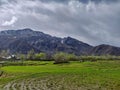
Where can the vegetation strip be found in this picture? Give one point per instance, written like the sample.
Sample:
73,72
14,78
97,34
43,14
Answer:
98,75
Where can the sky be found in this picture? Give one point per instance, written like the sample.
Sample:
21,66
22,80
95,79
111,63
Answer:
92,21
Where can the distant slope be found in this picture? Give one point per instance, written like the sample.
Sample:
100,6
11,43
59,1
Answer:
105,50
24,40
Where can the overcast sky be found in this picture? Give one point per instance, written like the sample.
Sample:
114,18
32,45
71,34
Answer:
92,21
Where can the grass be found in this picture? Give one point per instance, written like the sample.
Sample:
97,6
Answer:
99,75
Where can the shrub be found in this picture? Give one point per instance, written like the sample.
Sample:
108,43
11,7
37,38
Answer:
60,58
31,55
96,58
40,56
88,58
72,57
22,58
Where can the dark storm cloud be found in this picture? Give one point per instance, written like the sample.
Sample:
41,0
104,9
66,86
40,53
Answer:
91,21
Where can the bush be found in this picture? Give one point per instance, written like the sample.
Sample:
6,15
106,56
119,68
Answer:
88,58
72,57
97,58
60,58
40,56
22,58
31,55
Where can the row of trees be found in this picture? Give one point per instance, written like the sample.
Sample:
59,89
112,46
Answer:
59,57
31,55
65,58
38,56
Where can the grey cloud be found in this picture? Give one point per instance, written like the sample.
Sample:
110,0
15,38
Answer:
85,20
83,1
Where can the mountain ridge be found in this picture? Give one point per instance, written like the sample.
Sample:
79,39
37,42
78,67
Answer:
23,40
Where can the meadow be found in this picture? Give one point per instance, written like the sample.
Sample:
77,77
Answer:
44,75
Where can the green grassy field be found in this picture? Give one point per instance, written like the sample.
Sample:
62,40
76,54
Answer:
99,75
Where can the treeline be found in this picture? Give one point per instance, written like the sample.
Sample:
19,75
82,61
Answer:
61,57
58,57
65,58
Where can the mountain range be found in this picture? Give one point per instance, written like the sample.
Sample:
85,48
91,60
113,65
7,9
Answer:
24,40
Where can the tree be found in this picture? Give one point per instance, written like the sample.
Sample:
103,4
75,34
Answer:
4,53
40,56
31,55
60,58
71,57
22,58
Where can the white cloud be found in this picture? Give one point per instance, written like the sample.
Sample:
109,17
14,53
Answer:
11,22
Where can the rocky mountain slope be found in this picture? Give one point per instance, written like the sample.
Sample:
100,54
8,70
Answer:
24,40
105,50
